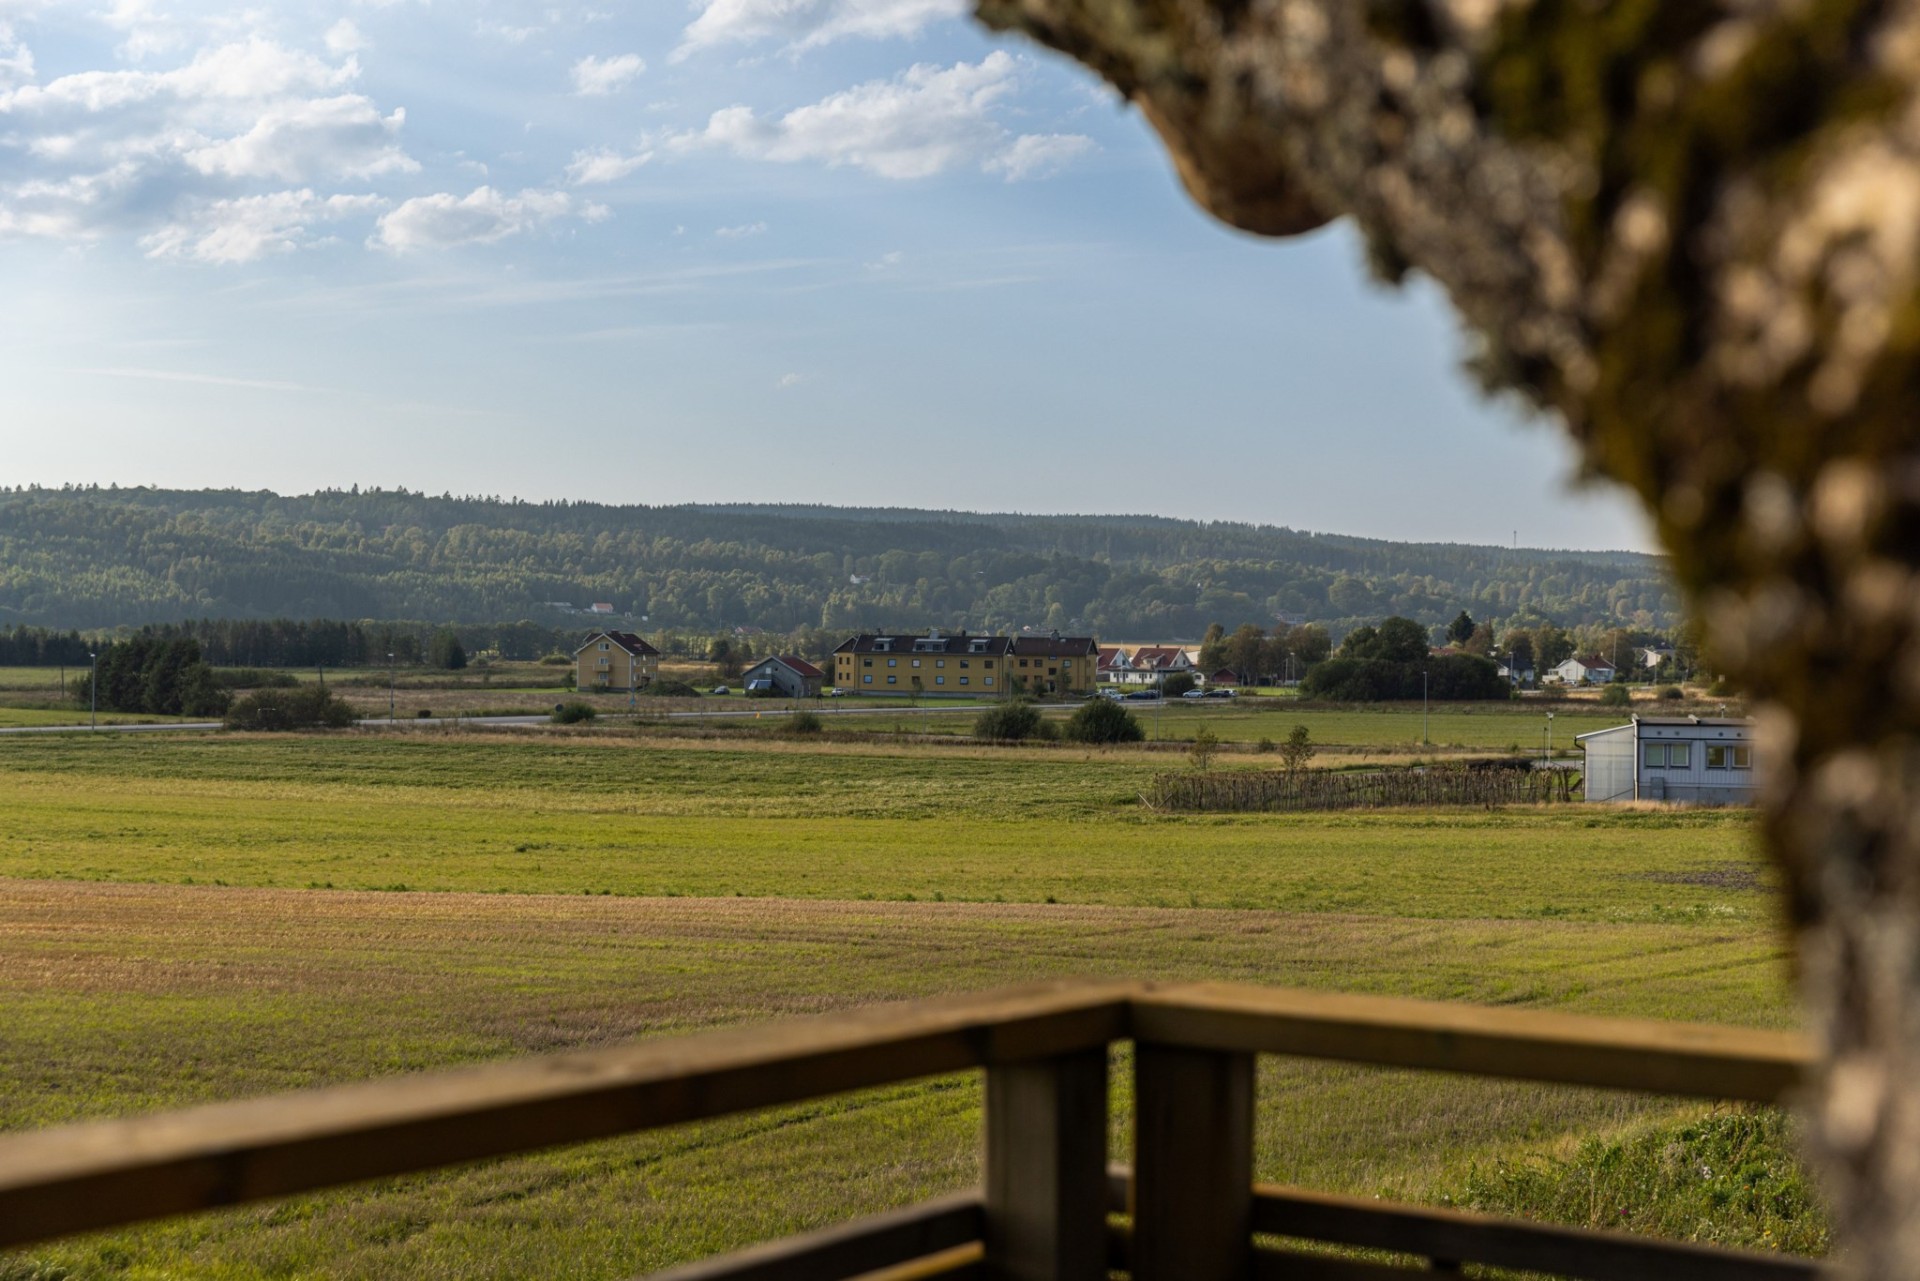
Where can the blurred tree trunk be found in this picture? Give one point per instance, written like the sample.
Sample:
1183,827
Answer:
1689,232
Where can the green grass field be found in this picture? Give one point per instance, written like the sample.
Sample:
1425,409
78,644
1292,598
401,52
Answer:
160,944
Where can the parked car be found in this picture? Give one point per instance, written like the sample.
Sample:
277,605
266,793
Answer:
1111,693
1144,696
1195,693
834,691
721,689
1223,693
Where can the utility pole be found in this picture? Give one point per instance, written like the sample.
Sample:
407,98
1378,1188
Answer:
93,691
1549,755
1425,736
389,687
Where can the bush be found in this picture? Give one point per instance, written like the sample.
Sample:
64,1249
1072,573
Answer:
1011,722
310,707
1378,680
573,713
1205,744
1672,694
1264,746
1176,685
425,713
555,660
1103,721
671,689
1298,751
804,723
1616,695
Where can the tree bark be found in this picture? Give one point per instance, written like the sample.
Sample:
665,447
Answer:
1689,231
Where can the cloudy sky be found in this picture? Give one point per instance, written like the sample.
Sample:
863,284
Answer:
848,251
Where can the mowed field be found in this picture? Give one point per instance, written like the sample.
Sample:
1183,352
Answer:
185,918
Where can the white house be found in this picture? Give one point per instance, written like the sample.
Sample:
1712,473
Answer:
1651,656
1113,666
1699,760
1588,667
1154,663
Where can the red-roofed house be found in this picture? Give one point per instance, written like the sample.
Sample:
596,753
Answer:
1112,666
786,674
614,661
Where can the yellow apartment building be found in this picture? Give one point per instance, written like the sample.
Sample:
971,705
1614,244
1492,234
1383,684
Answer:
614,662
961,664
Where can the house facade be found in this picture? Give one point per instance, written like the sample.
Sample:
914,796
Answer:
1113,666
931,664
1055,664
1154,663
786,674
1587,667
1697,760
614,661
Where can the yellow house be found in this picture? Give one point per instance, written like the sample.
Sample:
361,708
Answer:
963,664
614,662
1056,664
930,664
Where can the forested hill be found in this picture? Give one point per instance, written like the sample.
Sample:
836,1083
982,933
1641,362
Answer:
93,557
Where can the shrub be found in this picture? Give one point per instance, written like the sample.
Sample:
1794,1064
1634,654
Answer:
671,689
311,707
1011,722
1298,751
573,713
1103,721
804,723
425,713
1672,694
1205,744
1616,695
1265,745
555,660
1176,685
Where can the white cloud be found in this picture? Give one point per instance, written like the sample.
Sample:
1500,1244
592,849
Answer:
597,77
16,60
253,69
481,217
148,31
802,24
504,31
603,165
295,142
251,227
1035,155
922,122
344,37
790,380
742,231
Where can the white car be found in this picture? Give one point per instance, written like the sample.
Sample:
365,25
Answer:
1195,693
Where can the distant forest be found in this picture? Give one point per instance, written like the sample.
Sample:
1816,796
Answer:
92,558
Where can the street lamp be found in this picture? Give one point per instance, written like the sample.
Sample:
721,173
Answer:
389,687
93,691
1549,755
1425,736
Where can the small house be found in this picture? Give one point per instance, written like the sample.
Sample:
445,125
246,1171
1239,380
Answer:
1585,668
611,661
786,674
1154,663
1697,760
1112,666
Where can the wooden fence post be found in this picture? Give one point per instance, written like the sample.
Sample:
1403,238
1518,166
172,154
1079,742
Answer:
1046,1169
1192,1164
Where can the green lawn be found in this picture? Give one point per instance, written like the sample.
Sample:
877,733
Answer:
640,886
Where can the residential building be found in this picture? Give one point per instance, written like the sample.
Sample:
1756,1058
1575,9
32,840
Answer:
1651,656
1154,663
1588,667
1697,760
929,664
1055,664
1112,666
786,674
600,607
614,661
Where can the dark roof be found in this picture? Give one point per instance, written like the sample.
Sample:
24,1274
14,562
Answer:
1055,646
800,665
625,640
1592,660
868,643
1157,656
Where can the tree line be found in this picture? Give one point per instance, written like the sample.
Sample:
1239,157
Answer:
93,558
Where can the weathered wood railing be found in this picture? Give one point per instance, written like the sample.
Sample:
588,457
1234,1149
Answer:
1049,1210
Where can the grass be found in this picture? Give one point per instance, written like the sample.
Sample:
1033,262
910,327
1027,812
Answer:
13,717
654,817
598,887
126,998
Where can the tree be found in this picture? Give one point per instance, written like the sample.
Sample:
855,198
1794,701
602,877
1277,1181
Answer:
1102,720
1213,647
1616,695
1244,650
1520,651
1480,641
445,652
1201,751
1296,751
1460,630
1010,722
1175,685
1684,267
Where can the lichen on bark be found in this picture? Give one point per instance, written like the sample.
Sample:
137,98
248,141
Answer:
1690,231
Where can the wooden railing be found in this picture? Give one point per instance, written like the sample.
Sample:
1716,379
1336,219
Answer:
1049,1209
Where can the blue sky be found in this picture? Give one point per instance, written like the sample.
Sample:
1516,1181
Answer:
774,250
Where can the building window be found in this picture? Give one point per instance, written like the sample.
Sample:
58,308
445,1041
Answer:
963,680
866,662
603,647
986,680
867,679
1729,756
939,662
893,680
916,662
893,662
1665,755
1067,662
963,662
988,664
939,680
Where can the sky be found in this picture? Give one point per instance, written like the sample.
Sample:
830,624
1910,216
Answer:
831,251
